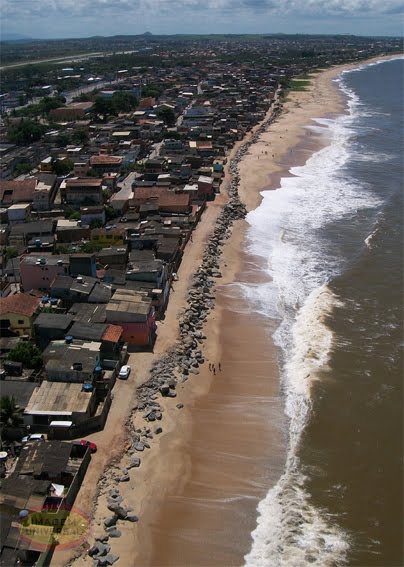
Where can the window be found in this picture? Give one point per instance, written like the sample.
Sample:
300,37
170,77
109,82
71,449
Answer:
21,321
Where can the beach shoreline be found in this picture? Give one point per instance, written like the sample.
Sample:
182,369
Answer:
167,467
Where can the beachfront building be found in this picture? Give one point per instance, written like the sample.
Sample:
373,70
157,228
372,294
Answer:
134,312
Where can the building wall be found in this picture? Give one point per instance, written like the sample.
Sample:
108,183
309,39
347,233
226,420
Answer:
41,276
41,200
139,334
20,324
80,197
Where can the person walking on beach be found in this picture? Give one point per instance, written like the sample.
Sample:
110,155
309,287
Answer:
214,370
220,367
210,367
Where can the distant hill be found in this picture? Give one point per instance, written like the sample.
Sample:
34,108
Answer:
14,37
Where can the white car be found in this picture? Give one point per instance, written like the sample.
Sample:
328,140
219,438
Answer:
124,372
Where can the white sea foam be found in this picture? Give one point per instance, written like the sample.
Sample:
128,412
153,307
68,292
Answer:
291,532
288,231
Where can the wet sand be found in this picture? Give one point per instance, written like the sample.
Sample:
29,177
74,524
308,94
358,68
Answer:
235,450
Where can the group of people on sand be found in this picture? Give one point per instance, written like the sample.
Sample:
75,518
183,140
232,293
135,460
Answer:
212,368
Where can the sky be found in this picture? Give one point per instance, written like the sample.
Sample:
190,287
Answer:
84,18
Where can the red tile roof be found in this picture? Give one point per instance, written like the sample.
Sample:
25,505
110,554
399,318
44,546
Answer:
104,159
20,303
84,182
145,193
17,191
112,333
180,199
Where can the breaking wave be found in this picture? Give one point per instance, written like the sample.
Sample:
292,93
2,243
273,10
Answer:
290,231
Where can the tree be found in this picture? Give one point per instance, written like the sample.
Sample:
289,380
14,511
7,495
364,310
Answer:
62,140
110,213
104,107
26,132
90,247
23,167
152,90
62,167
10,412
106,194
168,115
27,353
80,137
49,103
95,223
124,101
10,252
62,249
75,215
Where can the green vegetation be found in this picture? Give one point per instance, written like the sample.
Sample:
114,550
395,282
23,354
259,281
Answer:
168,115
288,85
95,223
42,108
26,132
120,101
63,139
62,249
10,412
10,252
298,85
152,90
90,247
80,136
72,214
110,213
106,194
28,354
22,168
62,167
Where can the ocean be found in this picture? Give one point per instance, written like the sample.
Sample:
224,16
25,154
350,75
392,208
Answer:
331,240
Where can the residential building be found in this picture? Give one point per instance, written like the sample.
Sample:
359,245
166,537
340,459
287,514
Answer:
17,313
39,272
134,312
81,191
83,265
50,327
71,360
104,163
59,401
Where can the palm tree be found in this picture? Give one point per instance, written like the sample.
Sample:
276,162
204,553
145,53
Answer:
10,412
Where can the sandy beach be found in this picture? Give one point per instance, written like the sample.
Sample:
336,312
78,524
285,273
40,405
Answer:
199,484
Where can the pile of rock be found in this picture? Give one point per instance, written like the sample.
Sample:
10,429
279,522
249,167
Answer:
186,357
100,551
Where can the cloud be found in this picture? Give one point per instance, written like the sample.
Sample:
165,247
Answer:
82,18
97,8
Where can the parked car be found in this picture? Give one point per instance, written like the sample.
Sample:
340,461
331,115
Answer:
124,372
87,443
33,437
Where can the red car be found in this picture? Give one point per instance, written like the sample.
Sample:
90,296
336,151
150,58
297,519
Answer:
87,443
